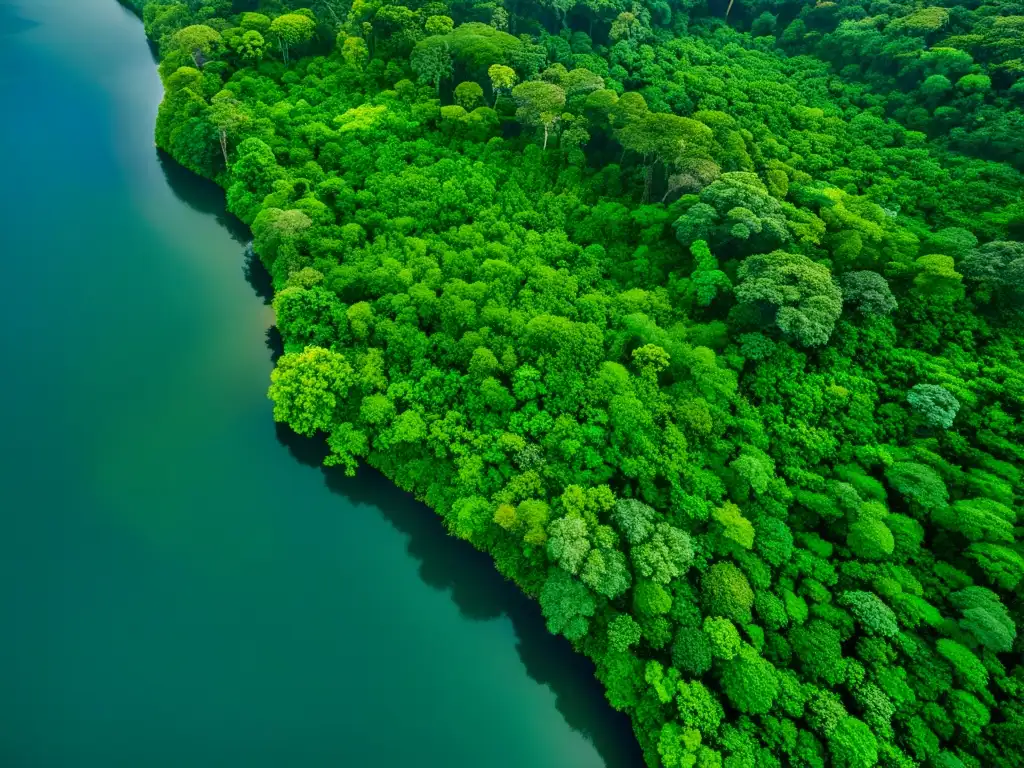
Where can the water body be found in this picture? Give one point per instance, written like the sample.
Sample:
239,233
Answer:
180,583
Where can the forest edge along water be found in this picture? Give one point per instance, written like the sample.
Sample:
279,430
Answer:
181,582
704,324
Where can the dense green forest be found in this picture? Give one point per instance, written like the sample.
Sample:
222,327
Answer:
704,318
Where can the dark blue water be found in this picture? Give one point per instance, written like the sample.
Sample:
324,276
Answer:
180,583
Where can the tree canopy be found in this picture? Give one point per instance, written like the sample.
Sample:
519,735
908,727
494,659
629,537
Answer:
703,319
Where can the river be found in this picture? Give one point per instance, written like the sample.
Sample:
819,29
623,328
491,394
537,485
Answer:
181,584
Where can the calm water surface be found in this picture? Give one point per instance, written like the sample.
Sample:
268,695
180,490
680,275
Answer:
180,583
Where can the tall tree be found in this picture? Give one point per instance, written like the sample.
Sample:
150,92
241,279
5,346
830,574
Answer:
292,29
539,104
432,61
229,115
199,40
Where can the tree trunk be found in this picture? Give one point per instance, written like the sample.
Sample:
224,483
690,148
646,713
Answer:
545,137
284,50
224,146
648,180
729,9
330,10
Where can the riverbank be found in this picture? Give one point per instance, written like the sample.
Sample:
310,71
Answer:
181,583
649,319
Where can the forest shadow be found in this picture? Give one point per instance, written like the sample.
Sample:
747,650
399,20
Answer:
257,276
453,566
202,196
205,197
445,563
275,344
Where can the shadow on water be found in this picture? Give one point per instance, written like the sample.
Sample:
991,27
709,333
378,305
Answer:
204,196
445,563
259,278
201,195
275,344
12,24
480,593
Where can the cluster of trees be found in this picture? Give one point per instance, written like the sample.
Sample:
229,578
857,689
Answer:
719,361
952,68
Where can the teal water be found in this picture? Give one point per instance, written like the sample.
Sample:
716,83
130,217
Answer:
180,583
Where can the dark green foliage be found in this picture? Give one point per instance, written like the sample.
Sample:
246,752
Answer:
936,405
919,484
871,613
566,604
716,349
691,651
867,292
817,646
805,300
985,618
998,267
870,539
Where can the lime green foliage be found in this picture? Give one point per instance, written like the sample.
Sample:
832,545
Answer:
853,745
198,41
307,388
922,21
726,592
361,118
708,330
734,527
722,636
291,29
